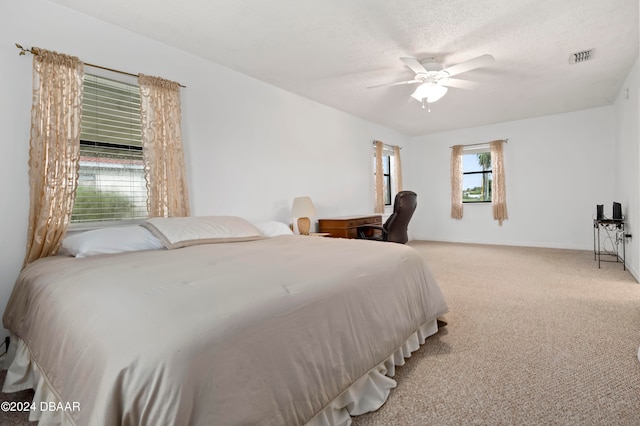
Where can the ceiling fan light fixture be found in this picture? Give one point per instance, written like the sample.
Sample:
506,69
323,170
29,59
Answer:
436,93
430,91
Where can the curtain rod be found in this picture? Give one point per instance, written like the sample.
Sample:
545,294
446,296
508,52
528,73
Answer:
34,51
483,143
374,144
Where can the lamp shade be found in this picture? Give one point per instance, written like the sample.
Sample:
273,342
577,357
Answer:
303,207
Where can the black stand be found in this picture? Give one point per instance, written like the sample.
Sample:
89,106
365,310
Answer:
608,225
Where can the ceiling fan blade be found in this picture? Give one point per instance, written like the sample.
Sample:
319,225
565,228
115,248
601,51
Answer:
478,62
415,66
458,84
397,83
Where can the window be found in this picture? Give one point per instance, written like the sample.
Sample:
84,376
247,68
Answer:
111,182
386,172
387,165
476,177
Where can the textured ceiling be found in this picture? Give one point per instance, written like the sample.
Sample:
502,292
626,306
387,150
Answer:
331,50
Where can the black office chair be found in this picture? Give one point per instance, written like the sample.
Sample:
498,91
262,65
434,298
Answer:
395,228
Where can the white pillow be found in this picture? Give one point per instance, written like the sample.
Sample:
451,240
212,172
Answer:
176,232
117,239
273,229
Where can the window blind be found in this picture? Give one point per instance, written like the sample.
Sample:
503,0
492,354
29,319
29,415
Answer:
111,181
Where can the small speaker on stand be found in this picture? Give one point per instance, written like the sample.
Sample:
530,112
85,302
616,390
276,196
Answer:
617,211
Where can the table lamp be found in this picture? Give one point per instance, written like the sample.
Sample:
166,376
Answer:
302,209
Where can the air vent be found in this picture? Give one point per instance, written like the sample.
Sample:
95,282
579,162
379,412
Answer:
585,55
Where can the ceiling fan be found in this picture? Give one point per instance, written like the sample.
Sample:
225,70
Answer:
435,80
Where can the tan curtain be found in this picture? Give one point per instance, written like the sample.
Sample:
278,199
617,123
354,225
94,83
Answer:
379,198
456,182
397,172
54,151
498,192
162,147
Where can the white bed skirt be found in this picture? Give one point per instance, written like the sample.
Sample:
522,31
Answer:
24,374
371,391
367,394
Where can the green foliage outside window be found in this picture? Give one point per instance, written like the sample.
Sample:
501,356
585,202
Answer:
477,178
95,205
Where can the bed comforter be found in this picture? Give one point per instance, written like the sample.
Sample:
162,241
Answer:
263,332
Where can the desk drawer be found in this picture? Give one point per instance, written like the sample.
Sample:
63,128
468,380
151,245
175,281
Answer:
364,221
341,232
347,227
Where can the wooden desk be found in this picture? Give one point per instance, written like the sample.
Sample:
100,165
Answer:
347,226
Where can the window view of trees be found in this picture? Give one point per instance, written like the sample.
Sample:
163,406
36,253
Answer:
477,178
96,205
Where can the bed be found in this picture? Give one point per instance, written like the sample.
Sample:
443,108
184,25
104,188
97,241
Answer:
266,329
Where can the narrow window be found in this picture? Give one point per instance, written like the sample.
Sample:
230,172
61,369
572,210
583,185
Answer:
387,167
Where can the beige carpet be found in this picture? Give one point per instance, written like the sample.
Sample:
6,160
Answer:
534,337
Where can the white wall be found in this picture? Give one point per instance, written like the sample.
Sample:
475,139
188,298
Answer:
627,177
557,169
250,147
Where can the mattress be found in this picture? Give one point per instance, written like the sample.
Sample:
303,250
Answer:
273,331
